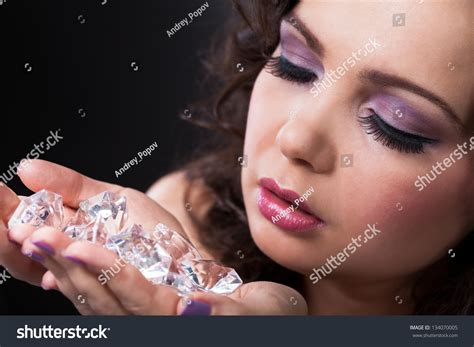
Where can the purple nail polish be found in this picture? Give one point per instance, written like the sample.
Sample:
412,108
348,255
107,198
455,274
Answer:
44,246
36,257
75,260
196,308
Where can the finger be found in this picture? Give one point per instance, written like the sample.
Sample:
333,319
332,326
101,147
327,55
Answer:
205,304
20,232
18,265
8,202
99,297
256,298
40,252
136,294
48,282
270,298
73,186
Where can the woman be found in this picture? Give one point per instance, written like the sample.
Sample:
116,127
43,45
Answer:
348,110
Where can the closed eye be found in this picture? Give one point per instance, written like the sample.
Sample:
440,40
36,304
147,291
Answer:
282,68
392,137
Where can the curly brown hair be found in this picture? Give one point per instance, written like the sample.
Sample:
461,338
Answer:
447,287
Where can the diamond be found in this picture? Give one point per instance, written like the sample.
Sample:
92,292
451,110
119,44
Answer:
181,282
175,244
43,208
189,272
98,218
163,256
144,253
209,276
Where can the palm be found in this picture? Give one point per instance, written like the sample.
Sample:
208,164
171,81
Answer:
74,188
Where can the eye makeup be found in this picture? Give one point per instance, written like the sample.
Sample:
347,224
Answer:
297,63
297,50
389,119
401,112
281,67
392,137
396,124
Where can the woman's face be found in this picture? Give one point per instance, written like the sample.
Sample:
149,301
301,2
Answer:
390,103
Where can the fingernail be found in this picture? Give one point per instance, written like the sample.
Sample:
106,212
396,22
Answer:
35,256
197,308
75,260
44,246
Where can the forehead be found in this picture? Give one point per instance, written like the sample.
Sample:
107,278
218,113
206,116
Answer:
429,43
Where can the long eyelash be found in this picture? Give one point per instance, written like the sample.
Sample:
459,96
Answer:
283,68
392,137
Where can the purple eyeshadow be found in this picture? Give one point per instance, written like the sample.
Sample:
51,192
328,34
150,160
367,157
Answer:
401,115
297,52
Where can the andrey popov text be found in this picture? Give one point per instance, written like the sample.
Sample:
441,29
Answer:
135,161
185,22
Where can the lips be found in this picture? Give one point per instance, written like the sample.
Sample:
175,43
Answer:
276,205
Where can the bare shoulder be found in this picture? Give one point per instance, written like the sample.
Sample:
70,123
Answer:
170,192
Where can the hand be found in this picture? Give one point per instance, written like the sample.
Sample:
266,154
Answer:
98,282
10,256
74,188
77,268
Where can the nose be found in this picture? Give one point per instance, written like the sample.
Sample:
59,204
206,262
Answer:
306,141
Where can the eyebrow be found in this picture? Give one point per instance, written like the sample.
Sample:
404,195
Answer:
376,77
383,80
311,40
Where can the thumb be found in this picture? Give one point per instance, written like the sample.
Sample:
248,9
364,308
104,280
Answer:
254,298
206,304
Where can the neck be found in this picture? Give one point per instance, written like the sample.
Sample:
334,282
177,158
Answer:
332,296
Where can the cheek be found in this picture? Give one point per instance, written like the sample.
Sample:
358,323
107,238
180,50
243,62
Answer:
417,228
262,120
261,129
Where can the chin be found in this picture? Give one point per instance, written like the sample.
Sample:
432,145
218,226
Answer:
282,248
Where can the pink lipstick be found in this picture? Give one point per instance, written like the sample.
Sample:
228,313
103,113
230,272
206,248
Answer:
277,205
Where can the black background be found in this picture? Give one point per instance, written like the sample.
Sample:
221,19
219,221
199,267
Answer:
89,66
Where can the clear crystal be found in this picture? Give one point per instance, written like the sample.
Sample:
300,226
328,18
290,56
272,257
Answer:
175,244
207,275
181,282
163,256
98,218
144,253
189,272
43,208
